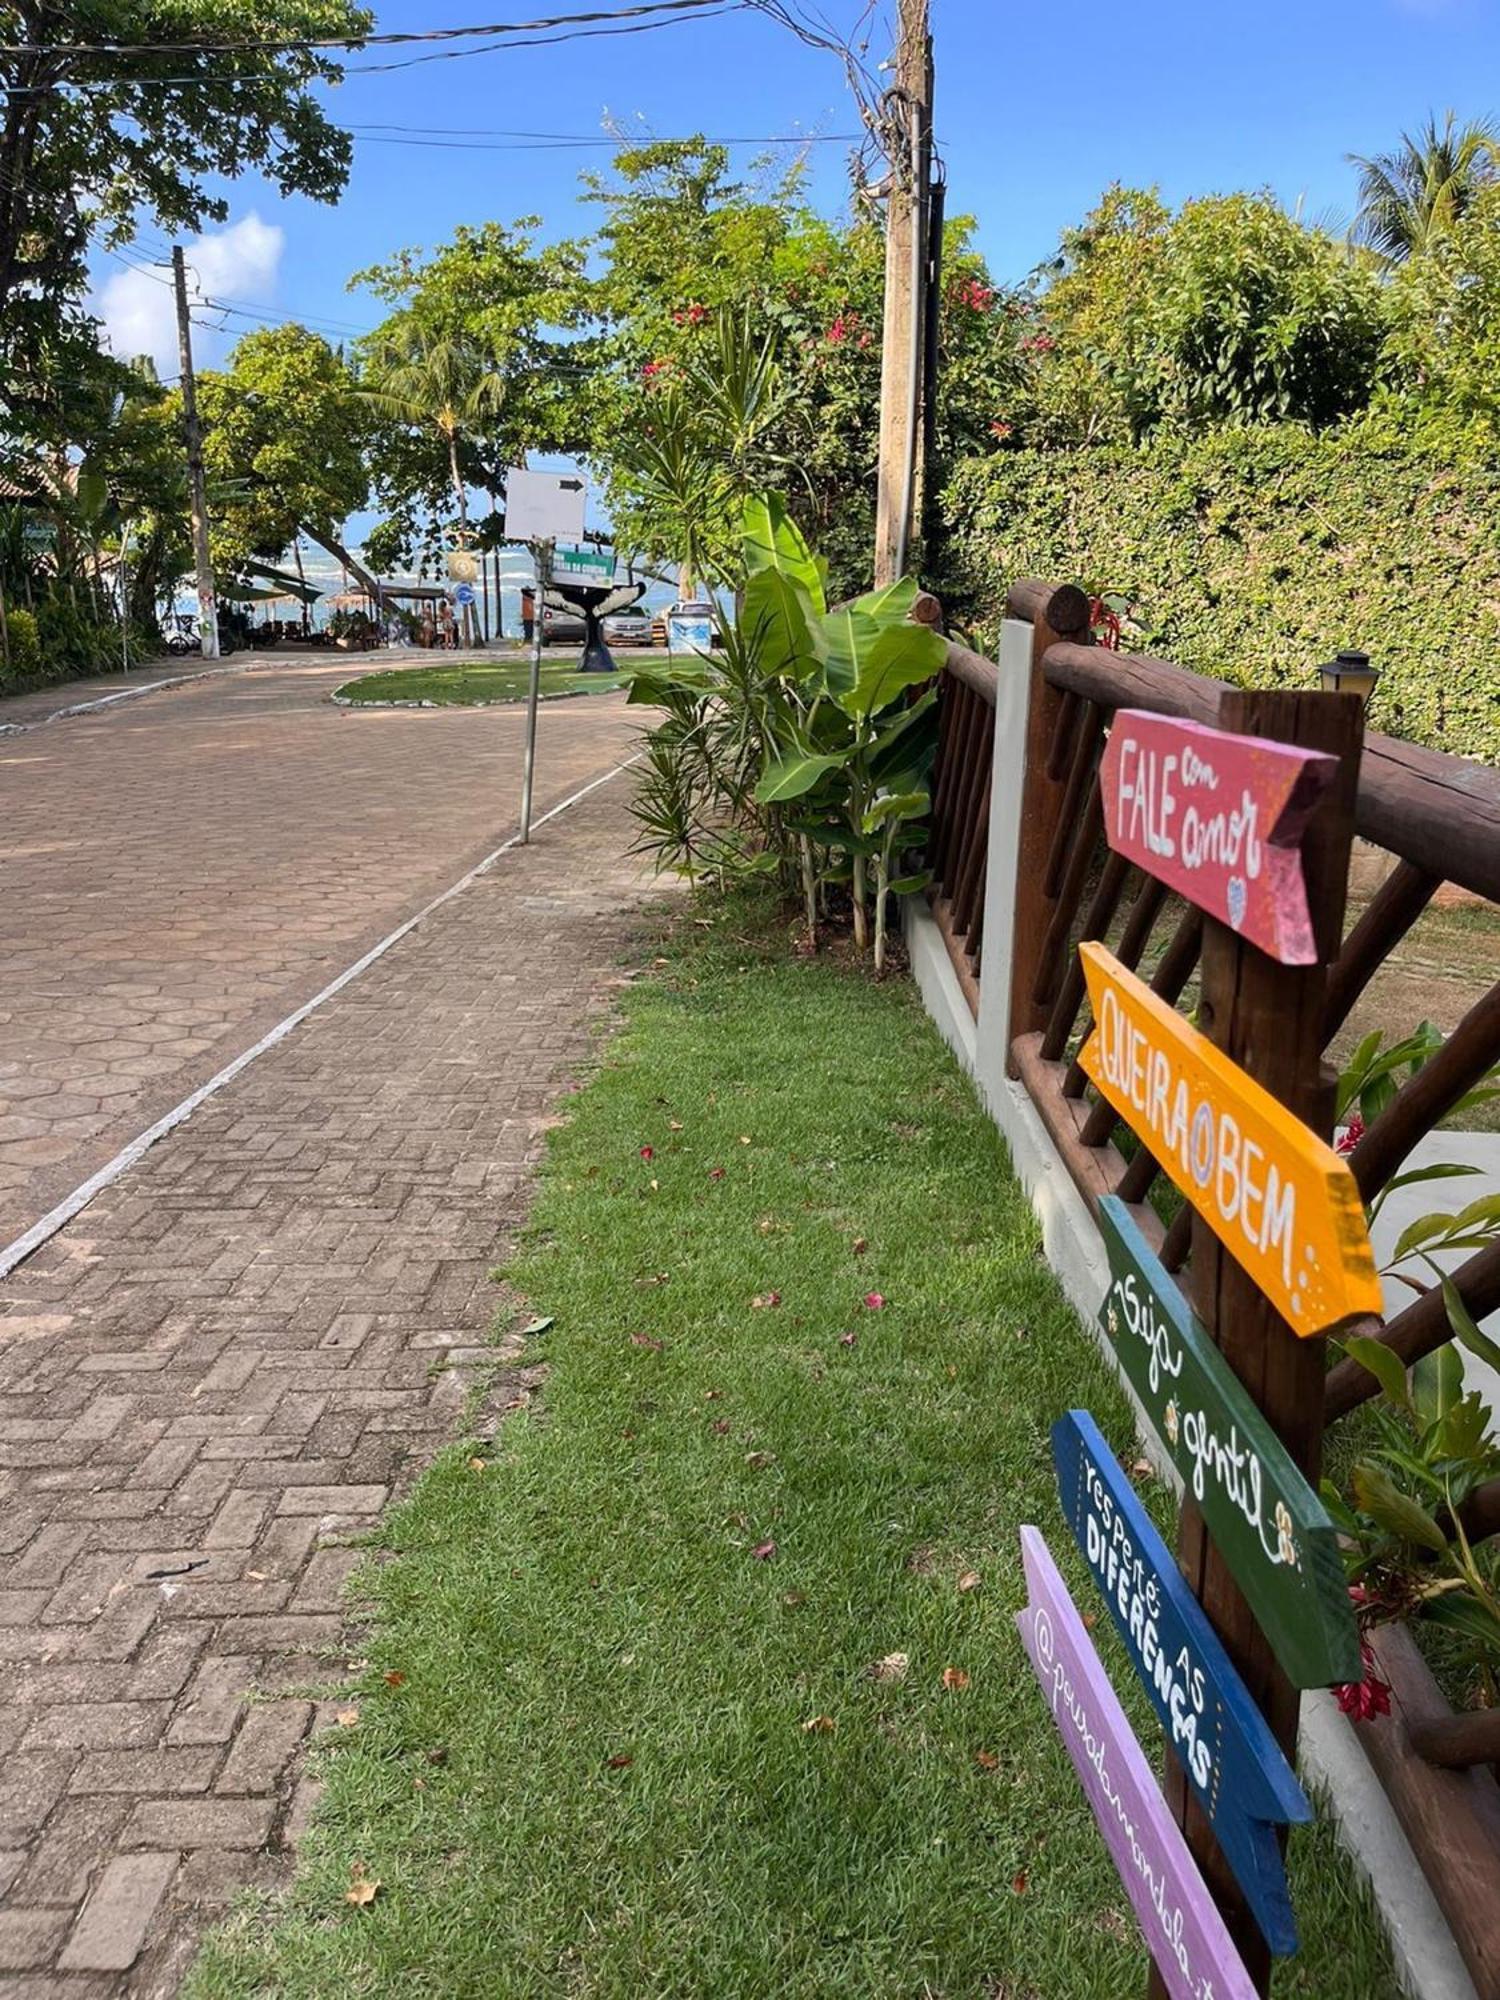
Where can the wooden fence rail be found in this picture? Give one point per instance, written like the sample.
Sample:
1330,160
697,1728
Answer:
1438,817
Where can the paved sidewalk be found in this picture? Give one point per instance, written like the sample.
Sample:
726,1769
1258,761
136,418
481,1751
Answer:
184,869
224,1368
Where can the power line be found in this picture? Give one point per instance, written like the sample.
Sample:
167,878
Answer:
701,10
536,142
263,44
290,316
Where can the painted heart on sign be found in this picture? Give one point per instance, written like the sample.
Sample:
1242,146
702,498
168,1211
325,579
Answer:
1236,895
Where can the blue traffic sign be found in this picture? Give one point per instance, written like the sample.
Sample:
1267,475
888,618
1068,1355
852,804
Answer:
464,594
1234,1765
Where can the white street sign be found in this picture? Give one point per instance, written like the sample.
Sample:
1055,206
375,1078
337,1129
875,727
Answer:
543,506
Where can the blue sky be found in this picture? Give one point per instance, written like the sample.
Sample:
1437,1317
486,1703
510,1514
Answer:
1037,110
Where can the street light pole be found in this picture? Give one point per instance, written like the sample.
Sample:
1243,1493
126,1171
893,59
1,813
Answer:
542,556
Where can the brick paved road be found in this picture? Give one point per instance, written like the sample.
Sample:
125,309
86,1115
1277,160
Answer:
181,870
227,1363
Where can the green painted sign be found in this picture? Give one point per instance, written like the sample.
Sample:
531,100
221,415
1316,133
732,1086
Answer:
1266,1520
593,564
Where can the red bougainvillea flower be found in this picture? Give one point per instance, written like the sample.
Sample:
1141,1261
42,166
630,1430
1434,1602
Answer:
690,315
1351,1135
648,1152
652,369
1038,343
838,330
1001,429
875,1301
976,296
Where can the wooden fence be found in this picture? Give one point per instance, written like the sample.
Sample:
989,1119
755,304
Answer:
1439,818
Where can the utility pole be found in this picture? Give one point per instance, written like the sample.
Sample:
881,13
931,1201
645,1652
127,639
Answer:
208,614
908,137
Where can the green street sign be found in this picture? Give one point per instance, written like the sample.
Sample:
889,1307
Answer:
1269,1525
590,563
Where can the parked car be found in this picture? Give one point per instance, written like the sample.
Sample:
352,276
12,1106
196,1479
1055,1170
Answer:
628,627
562,627
695,607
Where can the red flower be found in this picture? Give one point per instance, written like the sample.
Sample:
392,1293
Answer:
690,315
1353,1132
976,296
1363,1700
875,1301
1000,429
648,1152
838,331
1038,343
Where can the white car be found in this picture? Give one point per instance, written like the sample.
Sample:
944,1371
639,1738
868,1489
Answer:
628,627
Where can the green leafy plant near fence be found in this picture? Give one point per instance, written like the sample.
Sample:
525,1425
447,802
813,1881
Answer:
1254,553
797,749
1430,1444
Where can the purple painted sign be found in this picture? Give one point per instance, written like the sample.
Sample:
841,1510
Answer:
1218,818
1184,1932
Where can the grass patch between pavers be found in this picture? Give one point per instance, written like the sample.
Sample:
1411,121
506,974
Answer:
476,683
582,1764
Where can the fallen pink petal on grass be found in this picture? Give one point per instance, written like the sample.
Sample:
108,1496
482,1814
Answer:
763,1551
875,1301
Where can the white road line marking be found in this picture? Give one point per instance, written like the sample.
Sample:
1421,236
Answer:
72,1204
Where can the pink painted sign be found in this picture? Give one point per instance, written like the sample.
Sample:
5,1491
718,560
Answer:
1184,1932
1218,818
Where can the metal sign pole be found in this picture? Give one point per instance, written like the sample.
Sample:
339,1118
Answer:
542,554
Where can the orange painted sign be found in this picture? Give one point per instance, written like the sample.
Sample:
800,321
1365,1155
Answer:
1280,1200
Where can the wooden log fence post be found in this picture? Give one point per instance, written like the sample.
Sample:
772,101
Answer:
1269,1018
1066,617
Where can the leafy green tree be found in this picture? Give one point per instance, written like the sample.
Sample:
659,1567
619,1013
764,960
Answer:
285,437
489,332
119,111
1230,311
689,254
1412,198
1446,338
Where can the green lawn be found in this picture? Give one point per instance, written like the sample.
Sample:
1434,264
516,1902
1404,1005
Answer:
583,1764
472,683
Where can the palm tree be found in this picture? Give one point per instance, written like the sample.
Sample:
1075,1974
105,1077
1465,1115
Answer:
435,383
1410,198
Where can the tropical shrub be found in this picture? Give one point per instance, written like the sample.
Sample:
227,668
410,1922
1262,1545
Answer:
21,665
796,749
1432,1445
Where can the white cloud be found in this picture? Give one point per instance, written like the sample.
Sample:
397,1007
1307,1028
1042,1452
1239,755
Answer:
240,263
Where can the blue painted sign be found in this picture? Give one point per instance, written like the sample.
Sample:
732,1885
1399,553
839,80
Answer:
464,594
1234,1765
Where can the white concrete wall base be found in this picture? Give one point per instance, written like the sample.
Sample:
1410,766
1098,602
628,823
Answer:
1334,1767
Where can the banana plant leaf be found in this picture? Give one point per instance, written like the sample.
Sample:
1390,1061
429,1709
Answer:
794,777
900,657
777,618
773,541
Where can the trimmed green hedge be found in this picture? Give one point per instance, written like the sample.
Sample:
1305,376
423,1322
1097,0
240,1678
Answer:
1253,554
